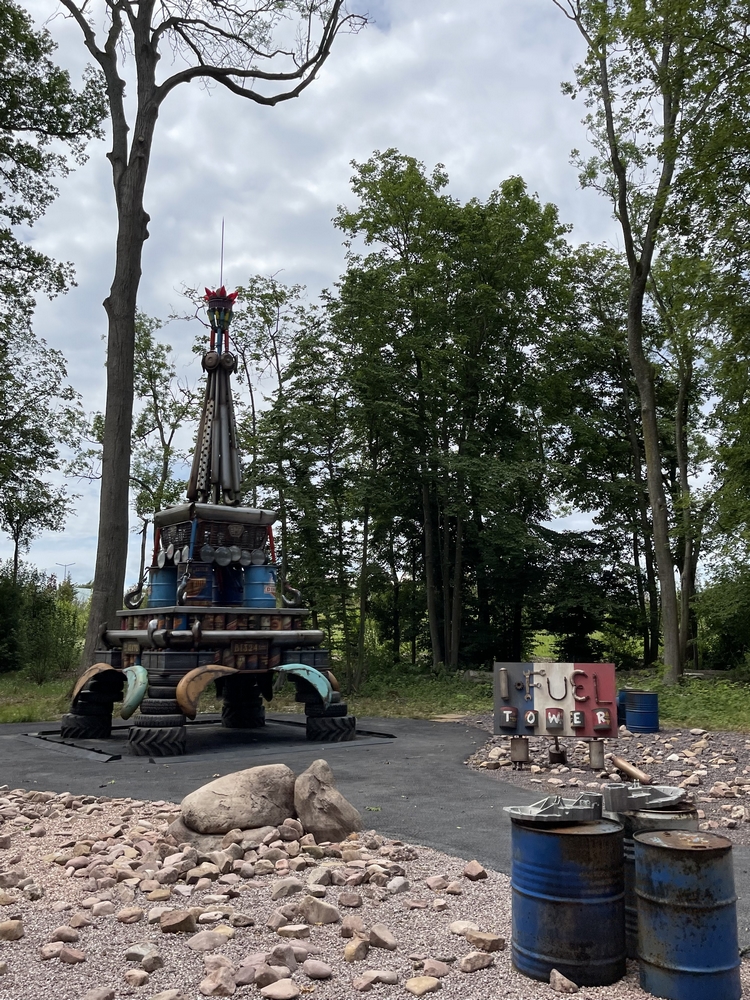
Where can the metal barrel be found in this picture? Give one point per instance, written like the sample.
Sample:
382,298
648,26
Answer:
687,916
568,901
621,711
162,587
642,711
200,585
641,821
260,586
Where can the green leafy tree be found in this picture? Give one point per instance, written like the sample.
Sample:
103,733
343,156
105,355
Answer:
264,52
28,509
653,75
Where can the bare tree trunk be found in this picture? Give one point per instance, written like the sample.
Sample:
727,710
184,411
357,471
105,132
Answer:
457,596
120,305
645,631
445,574
396,591
429,574
361,667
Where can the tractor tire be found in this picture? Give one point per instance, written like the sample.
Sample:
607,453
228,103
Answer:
166,680
318,711
159,721
159,706
85,727
234,716
242,707
327,730
79,707
93,696
144,741
161,692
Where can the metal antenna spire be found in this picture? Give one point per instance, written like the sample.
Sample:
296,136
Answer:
221,271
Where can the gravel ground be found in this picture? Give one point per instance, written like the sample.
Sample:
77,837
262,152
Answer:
713,767
107,827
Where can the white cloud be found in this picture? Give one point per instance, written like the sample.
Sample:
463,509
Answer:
475,86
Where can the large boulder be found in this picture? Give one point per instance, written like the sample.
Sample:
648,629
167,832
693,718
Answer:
259,796
321,808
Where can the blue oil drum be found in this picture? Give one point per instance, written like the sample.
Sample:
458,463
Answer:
260,586
200,585
568,901
162,587
641,821
621,711
687,916
642,711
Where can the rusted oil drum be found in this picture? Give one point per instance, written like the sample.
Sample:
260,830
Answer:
162,587
200,585
641,821
687,917
568,901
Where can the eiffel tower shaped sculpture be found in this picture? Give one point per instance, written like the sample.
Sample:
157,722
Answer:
211,613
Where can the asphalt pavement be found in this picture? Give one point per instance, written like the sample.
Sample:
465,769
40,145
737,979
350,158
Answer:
406,776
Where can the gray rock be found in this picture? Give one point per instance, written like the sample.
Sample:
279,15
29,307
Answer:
285,887
219,983
321,808
207,941
381,937
317,911
258,796
475,960
317,970
398,884
101,993
560,984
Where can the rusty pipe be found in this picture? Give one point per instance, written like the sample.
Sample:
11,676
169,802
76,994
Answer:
630,770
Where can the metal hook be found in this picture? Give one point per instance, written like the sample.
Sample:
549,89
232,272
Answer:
549,689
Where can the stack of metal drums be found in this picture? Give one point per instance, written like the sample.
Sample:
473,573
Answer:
597,877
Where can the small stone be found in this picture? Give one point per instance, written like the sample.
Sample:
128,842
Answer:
207,941
177,922
66,934
350,899
284,989
170,995
485,941
439,905
352,924
693,732
103,908
5,842
314,969
475,960
38,830
6,899
130,915
398,884
356,950
363,983
419,985
437,883
454,889
294,931
474,871
136,977
316,911
265,975
460,927
72,956
152,961
560,984
11,930
218,983
102,993
381,937
160,895
79,920
245,975
286,887
51,950
431,967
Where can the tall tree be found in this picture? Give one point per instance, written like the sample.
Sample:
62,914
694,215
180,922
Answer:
39,111
654,74
267,51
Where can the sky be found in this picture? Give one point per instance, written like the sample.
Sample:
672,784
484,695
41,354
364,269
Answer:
473,85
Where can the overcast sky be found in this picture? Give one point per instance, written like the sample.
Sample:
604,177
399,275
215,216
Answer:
473,85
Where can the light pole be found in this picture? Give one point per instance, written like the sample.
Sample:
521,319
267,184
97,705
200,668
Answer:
66,575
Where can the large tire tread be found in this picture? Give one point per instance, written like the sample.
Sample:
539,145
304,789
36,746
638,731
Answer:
98,710
148,742
85,727
159,706
331,730
161,692
159,721
334,711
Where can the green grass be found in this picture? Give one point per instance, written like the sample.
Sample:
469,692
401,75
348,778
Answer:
22,700
713,703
